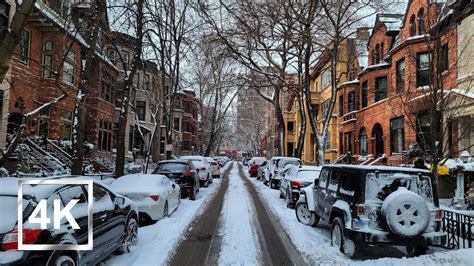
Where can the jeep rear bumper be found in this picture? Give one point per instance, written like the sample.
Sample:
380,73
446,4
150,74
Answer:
384,238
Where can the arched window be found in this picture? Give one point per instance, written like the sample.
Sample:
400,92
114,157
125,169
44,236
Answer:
421,22
363,141
377,53
412,26
373,56
381,51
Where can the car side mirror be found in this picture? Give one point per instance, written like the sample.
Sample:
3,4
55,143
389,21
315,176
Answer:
119,201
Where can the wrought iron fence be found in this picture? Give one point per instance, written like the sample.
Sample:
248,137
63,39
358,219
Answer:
459,229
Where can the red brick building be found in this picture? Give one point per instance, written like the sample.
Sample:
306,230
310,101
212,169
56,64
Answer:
383,106
185,123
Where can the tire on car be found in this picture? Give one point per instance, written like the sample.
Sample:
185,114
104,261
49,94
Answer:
339,240
130,238
62,259
304,215
405,213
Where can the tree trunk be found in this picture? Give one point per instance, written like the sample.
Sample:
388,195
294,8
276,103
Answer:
128,93
301,136
79,109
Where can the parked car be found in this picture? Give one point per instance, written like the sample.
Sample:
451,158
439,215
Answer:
156,196
115,224
278,166
221,160
182,173
245,161
262,168
297,177
215,167
254,164
202,167
374,205
267,172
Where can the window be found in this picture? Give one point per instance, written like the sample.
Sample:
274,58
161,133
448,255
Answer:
377,53
291,126
364,94
443,58
348,142
66,128
323,177
105,135
412,26
69,68
146,82
112,55
373,57
341,105
351,102
381,51
140,109
423,72
176,124
325,107
334,179
4,11
400,75
363,141
25,42
421,22
48,59
328,141
348,182
397,135
106,88
380,88
325,78
126,59
71,193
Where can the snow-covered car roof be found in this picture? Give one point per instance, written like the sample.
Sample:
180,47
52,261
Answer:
173,161
192,157
137,183
310,168
210,159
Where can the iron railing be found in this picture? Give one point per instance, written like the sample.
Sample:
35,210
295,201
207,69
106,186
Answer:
459,229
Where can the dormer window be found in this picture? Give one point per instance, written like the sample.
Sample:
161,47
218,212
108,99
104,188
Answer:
421,22
373,57
377,54
381,51
412,26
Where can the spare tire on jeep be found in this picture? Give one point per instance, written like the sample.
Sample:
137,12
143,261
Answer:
405,212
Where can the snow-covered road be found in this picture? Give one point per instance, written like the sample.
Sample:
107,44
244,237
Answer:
239,239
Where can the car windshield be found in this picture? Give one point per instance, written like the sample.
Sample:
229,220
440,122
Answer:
379,185
172,167
284,163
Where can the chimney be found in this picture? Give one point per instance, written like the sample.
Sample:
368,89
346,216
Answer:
363,33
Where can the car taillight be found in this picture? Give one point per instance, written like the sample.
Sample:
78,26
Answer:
155,197
296,184
360,210
10,240
188,174
439,214
202,169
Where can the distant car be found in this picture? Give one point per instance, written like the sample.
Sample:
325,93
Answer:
296,178
278,166
202,167
270,169
215,168
261,169
254,164
115,224
182,173
221,161
374,205
156,196
245,161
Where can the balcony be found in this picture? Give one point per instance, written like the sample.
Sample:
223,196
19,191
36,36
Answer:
349,117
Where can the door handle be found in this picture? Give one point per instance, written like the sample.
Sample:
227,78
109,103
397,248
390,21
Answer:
103,216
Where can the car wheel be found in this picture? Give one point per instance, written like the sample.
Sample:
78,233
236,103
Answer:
304,215
281,195
63,260
338,239
131,235
165,210
414,251
265,181
192,196
206,183
210,179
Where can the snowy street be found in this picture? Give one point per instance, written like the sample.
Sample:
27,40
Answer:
240,221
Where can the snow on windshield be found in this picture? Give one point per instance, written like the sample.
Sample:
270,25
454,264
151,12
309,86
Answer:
378,186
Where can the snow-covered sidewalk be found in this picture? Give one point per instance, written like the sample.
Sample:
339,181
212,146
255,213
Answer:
314,243
239,239
157,243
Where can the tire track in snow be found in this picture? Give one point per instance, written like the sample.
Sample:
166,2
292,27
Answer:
239,244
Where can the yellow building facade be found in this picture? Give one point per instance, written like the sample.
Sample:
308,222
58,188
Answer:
320,86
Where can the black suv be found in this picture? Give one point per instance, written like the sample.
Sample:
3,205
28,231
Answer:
374,205
182,173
